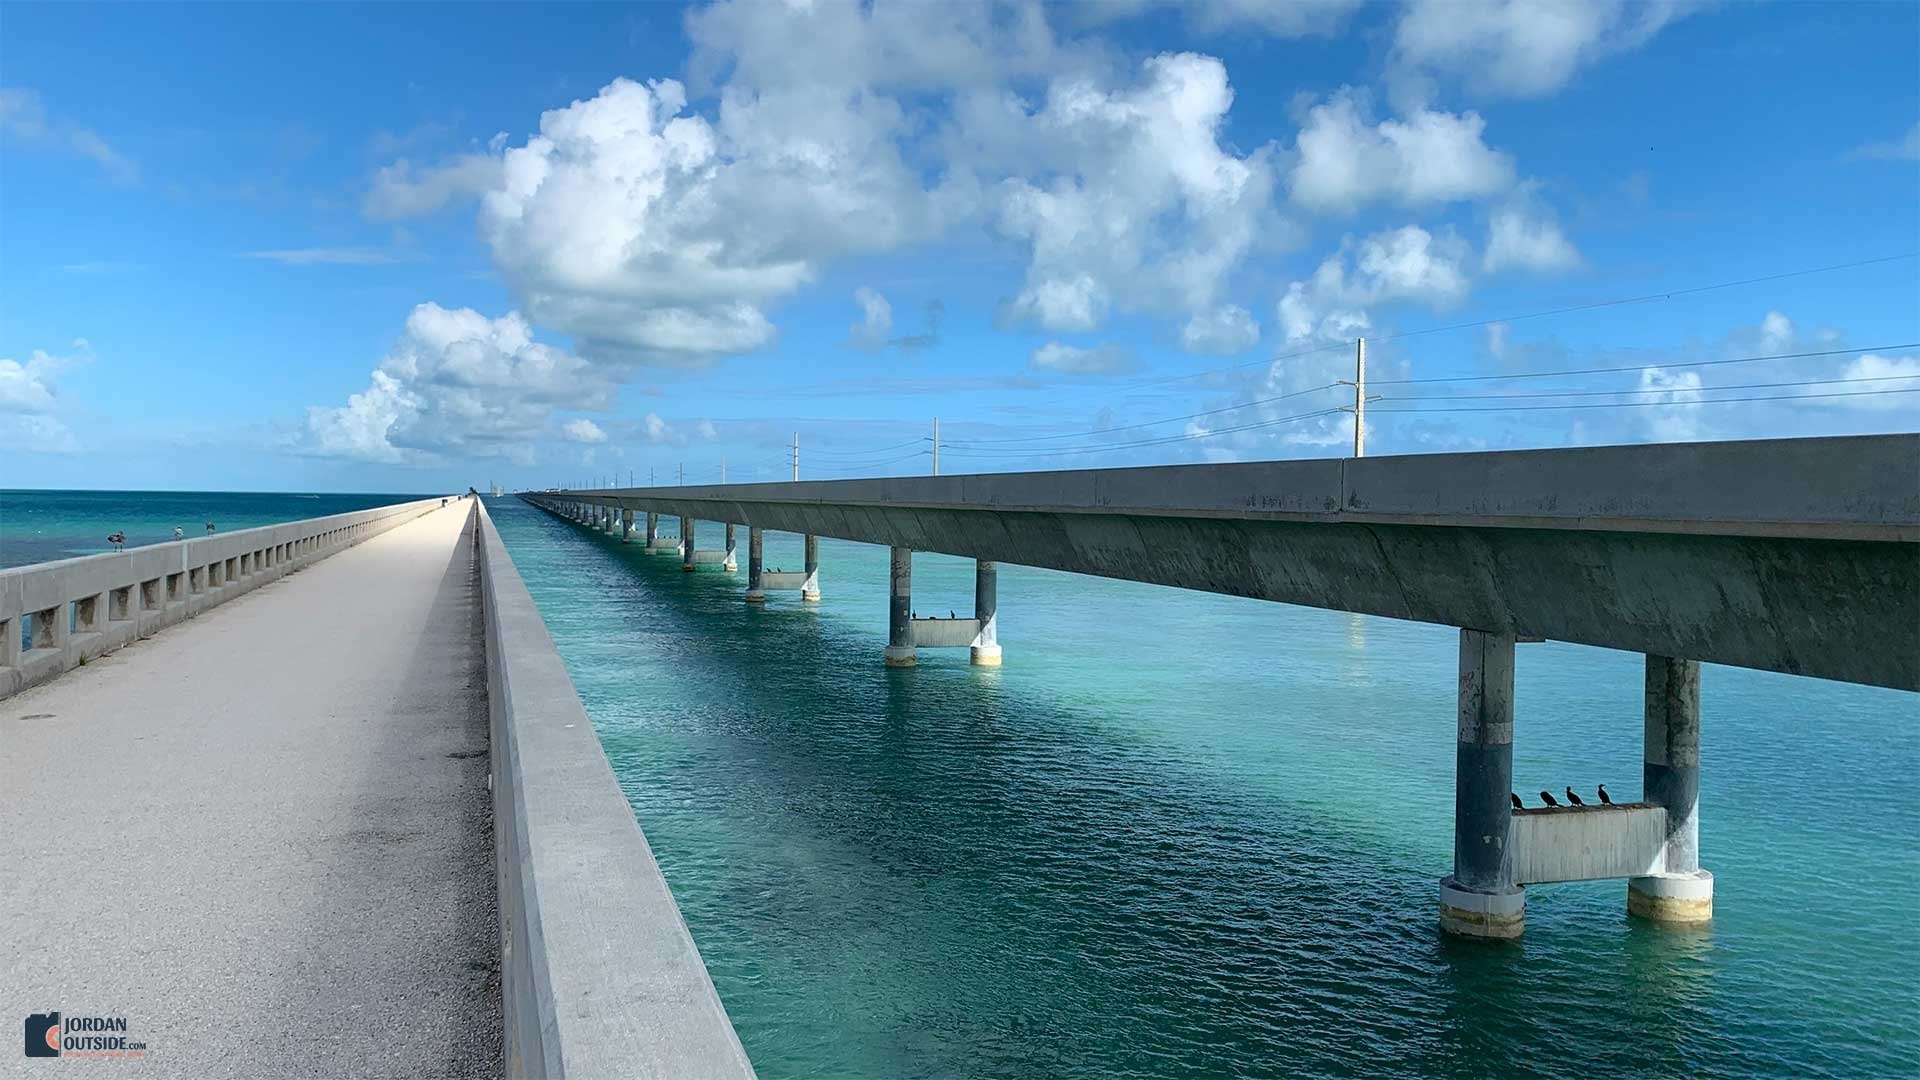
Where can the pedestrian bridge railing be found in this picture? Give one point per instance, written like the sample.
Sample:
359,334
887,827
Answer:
55,616
599,975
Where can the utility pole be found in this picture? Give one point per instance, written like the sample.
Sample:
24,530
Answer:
796,455
683,474
649,476
1359,409
723,470
1360,397
936,446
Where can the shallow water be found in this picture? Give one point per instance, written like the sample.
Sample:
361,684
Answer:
1191,835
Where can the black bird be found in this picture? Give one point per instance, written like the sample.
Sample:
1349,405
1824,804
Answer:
117,539
1547,797
1574,799
1517,804
951,615
1603,796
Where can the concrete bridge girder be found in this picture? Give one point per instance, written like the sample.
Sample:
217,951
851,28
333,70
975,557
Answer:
1772,603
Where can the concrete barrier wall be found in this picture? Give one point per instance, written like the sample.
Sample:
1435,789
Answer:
81,608
599,975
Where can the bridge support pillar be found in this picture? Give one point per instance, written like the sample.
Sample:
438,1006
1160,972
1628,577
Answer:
900,609
756,567
626,526
810,589
985,650
732,562
686,543
1670,777
1479,900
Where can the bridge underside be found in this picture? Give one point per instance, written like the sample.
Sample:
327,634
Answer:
1834,609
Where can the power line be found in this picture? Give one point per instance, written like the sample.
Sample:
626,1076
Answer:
1668,404
1653,390
1147,424
1567,310
873,450
1640,367
1150,442
878,464
1651,297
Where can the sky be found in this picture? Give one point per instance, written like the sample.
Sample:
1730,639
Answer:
414,247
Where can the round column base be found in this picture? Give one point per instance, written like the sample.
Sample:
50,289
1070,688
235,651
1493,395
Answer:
1677,899
755,596
900,656
687,567
1469,913
811,597
984,655
730,566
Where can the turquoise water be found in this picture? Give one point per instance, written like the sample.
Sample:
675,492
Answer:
1181,835
39,526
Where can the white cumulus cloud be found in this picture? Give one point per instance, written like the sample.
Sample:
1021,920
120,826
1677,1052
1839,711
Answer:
1131,202
1224,331
457,383
1522,237
1404,265
582,430
402,190
1681,422
29,400
876,320
1518,48
1344,160
1076,360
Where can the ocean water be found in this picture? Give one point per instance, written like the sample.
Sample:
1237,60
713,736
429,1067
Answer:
1182,835
39,526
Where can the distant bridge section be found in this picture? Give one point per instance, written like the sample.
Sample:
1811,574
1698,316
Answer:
1791,555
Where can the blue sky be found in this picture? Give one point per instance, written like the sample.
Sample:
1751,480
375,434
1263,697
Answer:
407,247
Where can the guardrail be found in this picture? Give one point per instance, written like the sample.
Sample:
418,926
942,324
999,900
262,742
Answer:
599,975
77,609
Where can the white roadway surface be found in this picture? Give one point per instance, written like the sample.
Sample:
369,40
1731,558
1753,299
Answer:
263,836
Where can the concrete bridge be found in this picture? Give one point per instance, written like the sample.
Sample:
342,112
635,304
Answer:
319,799
1794,555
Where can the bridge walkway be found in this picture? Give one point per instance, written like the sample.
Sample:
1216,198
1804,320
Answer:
264,836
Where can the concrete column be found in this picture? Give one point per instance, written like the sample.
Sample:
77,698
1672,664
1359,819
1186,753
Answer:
731,562
686,543
900,610
626,526
1479,899
756,592
810,588
653,527
1670,777
986,643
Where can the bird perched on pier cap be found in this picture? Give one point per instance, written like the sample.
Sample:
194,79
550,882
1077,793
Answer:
1517,804
1547,797
117,539
1603,796
1574,799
